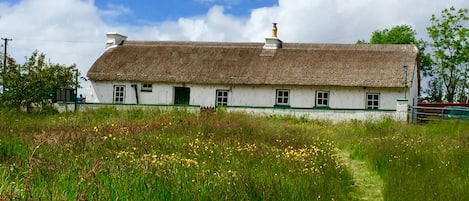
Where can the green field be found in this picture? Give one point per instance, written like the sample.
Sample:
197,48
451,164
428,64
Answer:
139,154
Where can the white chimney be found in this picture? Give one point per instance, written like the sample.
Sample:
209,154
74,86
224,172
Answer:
273,42
114,39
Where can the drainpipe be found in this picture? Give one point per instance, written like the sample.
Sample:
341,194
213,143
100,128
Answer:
136,92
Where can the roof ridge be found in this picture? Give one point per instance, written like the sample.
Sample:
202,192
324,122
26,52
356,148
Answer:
303,46
190,43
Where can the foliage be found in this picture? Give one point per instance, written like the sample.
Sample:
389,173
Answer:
434,92
401,34
33,84
450,37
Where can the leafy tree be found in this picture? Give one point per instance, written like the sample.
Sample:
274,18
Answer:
450,37
33,84
434,92
401,34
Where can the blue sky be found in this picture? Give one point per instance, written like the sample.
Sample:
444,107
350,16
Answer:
167,10
73,31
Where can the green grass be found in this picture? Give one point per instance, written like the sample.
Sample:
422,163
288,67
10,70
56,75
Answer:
137,154
416,162
166,155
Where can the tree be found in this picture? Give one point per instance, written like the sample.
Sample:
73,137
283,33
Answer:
434,91
33,84
450,37
401,34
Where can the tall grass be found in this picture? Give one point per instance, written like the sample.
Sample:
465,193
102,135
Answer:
416,162
166,155
138,154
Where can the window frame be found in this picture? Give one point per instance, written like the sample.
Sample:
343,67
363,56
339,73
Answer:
146,88
224,97
375,101
280,95
118,98
322,99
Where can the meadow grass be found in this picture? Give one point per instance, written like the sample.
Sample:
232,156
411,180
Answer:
166,155
416,162
107,154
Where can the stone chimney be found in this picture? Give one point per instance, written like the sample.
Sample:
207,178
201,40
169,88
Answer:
273,42
274,30
114,39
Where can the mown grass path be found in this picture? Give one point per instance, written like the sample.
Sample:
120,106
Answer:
367,184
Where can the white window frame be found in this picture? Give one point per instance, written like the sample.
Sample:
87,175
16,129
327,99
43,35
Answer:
221,98
320,99
282,97
147,87
372,101
119,94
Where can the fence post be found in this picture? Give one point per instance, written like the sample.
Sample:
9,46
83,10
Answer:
402,109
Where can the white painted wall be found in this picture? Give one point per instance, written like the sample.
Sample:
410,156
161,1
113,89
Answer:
414,93
254,96
331,115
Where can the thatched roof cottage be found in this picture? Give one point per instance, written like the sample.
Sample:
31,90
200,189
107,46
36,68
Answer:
312,78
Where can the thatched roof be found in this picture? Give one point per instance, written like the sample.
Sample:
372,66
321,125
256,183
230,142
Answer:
242,63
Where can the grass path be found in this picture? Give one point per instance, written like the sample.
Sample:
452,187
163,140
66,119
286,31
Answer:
367,184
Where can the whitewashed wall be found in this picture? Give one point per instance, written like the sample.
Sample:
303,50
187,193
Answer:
400,114
413,94
251,96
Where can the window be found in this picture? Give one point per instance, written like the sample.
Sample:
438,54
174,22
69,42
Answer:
222,97
322,99
282,97
119,93
372,101
147,87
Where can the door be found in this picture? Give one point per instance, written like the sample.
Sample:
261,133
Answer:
182,95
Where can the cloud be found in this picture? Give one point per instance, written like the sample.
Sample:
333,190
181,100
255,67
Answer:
67,31
215,25
113,10
332,21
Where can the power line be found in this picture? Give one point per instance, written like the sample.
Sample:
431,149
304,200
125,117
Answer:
58,41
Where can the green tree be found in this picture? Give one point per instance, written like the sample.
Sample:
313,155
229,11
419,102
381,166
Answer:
450,45
434,92
400,34
33,84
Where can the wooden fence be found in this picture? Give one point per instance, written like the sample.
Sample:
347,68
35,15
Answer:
425,112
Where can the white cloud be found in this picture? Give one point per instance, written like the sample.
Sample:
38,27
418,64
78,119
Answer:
67,31
114,10
327,21
73,31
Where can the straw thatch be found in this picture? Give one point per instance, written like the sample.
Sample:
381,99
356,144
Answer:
248,64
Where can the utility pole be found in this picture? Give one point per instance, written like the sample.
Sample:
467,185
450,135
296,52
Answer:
4,73
76,88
